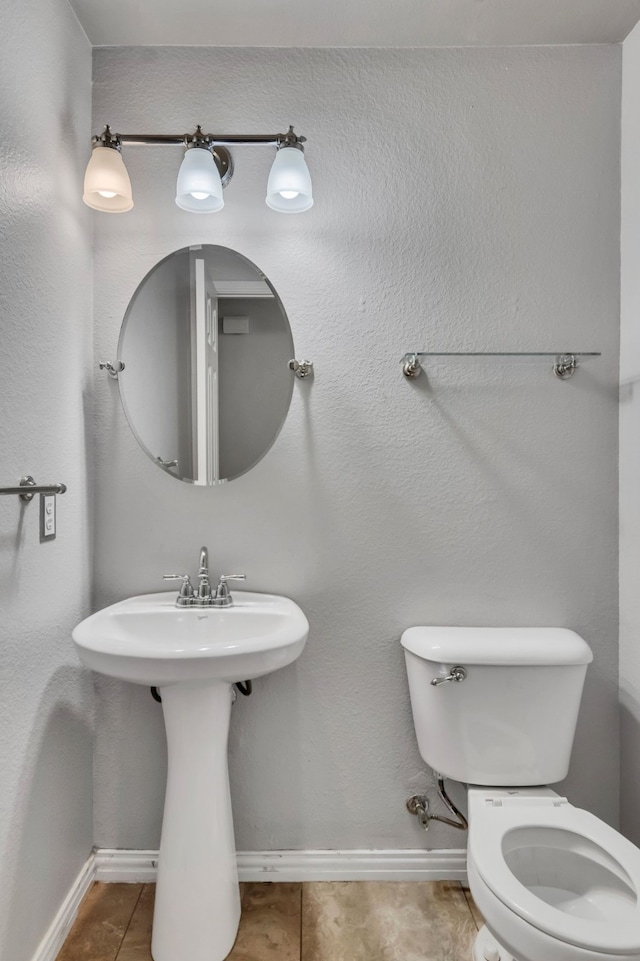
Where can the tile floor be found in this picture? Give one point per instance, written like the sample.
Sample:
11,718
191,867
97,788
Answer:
314,921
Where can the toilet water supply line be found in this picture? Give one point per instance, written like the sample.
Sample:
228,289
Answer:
419,805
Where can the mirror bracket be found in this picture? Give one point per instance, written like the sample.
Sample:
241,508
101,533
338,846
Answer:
301,368
112,369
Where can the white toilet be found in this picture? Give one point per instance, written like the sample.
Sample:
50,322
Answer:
553,882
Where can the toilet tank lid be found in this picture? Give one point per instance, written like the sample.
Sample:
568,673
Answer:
497,645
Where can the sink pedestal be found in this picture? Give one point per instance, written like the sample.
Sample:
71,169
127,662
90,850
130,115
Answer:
197,908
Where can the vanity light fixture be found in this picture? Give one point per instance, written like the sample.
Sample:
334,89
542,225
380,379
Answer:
289,184
106,182
199,187
207,168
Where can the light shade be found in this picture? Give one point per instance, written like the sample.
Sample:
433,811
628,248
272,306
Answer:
106,182
289,185
199,188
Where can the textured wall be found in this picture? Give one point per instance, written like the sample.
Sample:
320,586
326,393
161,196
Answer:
629,448
45,319
464,199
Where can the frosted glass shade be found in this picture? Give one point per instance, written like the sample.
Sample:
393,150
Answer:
289,185
199,188
106,182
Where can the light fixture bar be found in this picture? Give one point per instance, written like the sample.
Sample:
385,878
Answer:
215,139
154,139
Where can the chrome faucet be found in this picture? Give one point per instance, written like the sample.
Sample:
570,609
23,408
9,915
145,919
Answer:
204,596
204,590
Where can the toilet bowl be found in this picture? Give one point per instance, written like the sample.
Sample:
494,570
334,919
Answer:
497,708
552,881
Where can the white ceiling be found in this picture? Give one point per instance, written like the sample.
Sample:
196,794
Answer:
355,23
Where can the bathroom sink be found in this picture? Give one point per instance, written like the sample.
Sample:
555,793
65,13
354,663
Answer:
148,640
194,655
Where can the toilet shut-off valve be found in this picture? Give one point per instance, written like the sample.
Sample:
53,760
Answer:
418,804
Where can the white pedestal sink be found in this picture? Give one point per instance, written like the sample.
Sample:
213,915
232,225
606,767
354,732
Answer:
194,655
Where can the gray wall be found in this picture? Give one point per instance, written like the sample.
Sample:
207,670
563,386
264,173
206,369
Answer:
45,319
629,447
464,199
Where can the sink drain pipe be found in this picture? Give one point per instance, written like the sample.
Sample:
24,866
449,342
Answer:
245,687
418,804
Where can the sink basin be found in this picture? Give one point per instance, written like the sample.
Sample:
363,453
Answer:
148,640
194,655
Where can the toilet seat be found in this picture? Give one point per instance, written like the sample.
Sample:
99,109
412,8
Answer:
560,842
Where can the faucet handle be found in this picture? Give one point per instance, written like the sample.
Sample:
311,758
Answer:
231,577
187,589
223,590
222,597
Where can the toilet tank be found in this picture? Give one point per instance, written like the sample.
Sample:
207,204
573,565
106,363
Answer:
512,719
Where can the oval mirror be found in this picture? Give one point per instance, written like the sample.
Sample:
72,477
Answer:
205,344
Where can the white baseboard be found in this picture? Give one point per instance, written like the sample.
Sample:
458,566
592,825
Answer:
414,865
107,864
116,864
53,940
352,865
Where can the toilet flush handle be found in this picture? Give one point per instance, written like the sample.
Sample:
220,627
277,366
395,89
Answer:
457,673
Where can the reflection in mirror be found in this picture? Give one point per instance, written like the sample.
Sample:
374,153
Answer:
205,344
